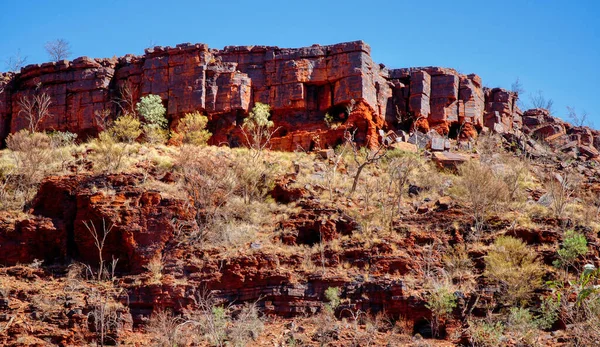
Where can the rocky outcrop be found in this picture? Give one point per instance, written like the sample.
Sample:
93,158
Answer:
137,222
301,86
560,135
442,98
501,111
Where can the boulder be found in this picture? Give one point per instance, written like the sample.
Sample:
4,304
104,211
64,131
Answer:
449,160
405,147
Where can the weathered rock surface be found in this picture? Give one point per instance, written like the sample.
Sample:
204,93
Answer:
300,85
137,222
560,135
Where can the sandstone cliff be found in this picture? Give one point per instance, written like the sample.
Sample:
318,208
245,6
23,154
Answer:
301,85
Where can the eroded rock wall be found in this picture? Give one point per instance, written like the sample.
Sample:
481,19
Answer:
442,98
78,90
301,85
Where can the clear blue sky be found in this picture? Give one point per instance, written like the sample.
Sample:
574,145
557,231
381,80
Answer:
553,46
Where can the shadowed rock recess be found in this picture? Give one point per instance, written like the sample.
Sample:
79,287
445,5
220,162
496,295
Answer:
300,85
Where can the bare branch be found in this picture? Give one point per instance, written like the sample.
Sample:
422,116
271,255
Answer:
578,120
364,157
126,99
16,62
99,240
58,50
517,87
35,109
102,119
538,100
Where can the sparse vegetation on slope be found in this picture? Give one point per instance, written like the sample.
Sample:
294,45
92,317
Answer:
226,246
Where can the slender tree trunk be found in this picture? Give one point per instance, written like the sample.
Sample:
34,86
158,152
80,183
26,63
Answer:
356,177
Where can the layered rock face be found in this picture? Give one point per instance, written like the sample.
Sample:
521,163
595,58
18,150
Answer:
444,100
71,210
301,86
578,141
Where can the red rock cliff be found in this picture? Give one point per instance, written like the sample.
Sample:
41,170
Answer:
301,85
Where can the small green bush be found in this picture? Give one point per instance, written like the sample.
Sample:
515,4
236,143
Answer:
573,246
126,128
485,334
332,294
523,325
62,138
259,117
549,312
257,128
441,301
192,129
514,266
220,320
152,110
154,134
330,121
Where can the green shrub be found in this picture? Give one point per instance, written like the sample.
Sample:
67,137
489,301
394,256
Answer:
152,110
32,153
330,121
522,325
192,129
573,246
549,310
154,134
257,128
481,190
485,334
512,265
332,294
220,319
441,301
62,138
109,155
126,128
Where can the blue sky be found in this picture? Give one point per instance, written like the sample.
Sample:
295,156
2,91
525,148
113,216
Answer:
552,46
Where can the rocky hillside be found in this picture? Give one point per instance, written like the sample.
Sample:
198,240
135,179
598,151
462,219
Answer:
463,222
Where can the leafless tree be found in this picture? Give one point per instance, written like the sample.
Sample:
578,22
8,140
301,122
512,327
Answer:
332,168
164,326
106,313
560,189
102,119
58,50
538,100
578,120
99,241
126,99
517,87
35,109
399,171
16,62
363,157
